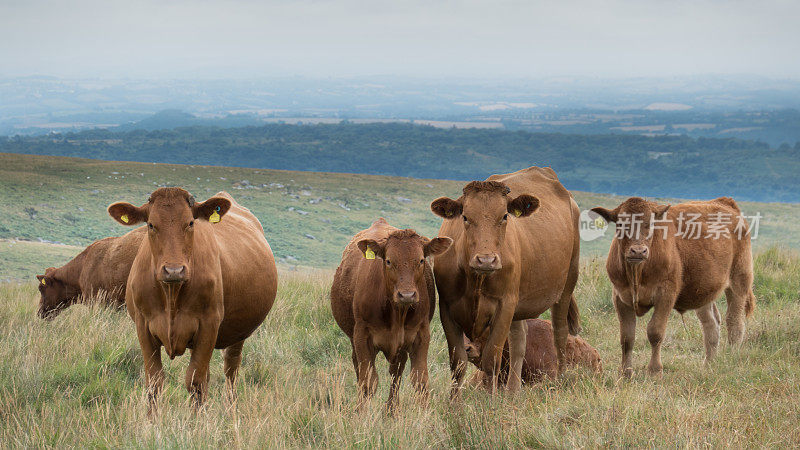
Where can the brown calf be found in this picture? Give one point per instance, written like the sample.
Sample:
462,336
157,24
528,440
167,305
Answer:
514,255
383,298
664,263
203,278
541,359
101,270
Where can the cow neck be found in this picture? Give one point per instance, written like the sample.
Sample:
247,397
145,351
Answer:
171,292
634,276
70,273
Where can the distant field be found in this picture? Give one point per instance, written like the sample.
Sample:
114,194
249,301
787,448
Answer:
77,382
308,217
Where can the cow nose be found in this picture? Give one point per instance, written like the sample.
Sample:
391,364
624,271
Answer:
486,263
406,297
638,253
173,273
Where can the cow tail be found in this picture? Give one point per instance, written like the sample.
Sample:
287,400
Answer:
573,317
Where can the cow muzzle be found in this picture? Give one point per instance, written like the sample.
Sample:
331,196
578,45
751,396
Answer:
637,254
406,298
485,263
173,273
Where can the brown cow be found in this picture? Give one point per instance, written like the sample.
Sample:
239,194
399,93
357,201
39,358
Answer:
383,297
99,271
514,255
654,264
204,278
541,359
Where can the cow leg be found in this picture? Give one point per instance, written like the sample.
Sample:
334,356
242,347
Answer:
419,362
153,370
627,334
232,360
708,319
735,317
396,368
560,311
457,352
366,373
656,329
492,351
517,345
197,373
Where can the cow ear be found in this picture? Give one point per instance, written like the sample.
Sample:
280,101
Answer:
661,211
212,209
41,279
370,248
127,214
437,246
523,206
607,214
446,208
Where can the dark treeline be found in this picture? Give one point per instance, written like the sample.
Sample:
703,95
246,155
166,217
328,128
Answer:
664,166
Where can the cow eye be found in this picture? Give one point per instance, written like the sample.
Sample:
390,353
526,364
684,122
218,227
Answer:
149,225
505,217
388,263
422,261
465,219
191,224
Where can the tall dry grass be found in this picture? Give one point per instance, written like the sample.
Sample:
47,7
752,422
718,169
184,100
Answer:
77,381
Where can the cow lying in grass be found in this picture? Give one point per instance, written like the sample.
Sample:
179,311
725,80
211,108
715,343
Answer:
383,298
203,278
541,359
663,264
100,271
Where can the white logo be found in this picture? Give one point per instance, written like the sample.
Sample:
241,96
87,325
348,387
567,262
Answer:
592,226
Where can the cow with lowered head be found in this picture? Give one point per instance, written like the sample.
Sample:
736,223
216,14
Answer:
383,298
678,257
204,278
514,255
99,271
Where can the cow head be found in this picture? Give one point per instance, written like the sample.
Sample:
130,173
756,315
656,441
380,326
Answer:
55,294
403,255
484,210
636,228
170,214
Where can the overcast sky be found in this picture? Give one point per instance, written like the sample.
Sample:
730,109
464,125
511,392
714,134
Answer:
320,38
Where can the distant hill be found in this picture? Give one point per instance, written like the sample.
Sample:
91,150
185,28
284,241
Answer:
666,166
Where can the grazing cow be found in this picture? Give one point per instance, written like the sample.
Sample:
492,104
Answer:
383,297
514,255
203,278
540,355
658,260
101,270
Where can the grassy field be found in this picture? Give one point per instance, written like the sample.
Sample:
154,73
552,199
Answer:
78,381
308,217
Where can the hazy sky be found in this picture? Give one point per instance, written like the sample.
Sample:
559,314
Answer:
245,38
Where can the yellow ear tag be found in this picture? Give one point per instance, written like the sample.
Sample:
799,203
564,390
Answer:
599,222
214,217
124,218
517,212
369,254
43,282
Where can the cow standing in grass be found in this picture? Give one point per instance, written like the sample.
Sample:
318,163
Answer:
680,257
514,255
383,297
100,271
203,278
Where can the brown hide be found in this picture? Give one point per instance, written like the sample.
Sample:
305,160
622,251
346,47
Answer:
385,304
99,271
197,284
540,354
529,222
678,272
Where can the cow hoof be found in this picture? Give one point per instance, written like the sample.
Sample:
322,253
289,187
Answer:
655,371
627,373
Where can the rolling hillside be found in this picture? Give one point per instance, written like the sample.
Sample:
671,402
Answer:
308,217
